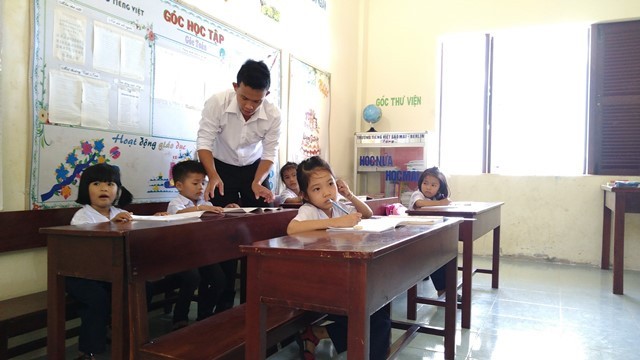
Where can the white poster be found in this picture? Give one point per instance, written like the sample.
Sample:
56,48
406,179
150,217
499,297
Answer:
309,107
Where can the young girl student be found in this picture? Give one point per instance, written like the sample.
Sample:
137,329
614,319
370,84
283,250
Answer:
291,192
433,190
319,190
100,188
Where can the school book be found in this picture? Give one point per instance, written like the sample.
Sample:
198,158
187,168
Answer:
385,223
187,215
242,210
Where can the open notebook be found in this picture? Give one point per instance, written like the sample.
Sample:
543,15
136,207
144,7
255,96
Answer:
384,223
189,215
250,209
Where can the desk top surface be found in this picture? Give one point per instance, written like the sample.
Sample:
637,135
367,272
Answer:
461,209
121,229
620,189
346,244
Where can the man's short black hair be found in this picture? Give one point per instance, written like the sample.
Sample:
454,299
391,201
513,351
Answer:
181,170
254,74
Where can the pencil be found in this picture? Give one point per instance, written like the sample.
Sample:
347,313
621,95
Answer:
339,206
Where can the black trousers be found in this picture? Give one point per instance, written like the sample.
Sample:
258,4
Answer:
95,309
237,185
237,189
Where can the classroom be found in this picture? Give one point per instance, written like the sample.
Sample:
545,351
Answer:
372,49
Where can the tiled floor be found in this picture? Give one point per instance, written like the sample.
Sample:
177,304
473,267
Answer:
541,311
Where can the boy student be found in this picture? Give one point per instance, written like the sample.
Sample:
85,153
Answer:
189,179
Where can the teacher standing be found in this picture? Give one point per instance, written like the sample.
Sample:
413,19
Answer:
238,139
237,144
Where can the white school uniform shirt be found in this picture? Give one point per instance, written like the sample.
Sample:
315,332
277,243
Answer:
230,138
180,202
309,212
89,215
417,195
284,195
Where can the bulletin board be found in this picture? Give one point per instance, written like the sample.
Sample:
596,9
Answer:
124,82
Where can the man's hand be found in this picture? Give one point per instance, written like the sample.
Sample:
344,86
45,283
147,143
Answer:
214,182
262,192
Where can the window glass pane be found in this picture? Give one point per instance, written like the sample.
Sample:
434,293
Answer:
462,103
539,101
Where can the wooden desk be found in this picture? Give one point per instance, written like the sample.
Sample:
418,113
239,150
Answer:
483,217
619,201
352,274
112,251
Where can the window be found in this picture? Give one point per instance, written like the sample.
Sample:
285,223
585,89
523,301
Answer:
614,110
514,102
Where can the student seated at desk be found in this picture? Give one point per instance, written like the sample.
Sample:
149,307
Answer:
320,210
189,179
433,190
99,190
291,192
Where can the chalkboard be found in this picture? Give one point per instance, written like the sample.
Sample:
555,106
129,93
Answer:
124,82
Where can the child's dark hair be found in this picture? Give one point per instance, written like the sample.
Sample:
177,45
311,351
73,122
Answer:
181,170
103,173
443,190
307,167
289,165
254,74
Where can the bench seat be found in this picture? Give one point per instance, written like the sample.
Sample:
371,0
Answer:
24,314
222,336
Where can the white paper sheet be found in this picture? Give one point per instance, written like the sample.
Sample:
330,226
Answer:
106,48
69,36
132,59
65,98
95,104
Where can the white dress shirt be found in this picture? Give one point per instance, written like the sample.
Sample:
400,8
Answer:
180,202
230,138
417,195
309,212
89,215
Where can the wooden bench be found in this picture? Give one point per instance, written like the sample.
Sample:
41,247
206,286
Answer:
24,314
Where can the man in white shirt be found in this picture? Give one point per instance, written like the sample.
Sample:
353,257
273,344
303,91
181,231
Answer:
237,144
238,139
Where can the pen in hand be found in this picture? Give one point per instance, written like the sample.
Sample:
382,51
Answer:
335,203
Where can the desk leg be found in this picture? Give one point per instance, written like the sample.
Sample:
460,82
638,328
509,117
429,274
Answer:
358,330
450,309
119,313
606,238
55,314
618,245
467,273
358,315
412,303
255,318
495,266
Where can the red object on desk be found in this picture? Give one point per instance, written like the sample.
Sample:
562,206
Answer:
617,202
